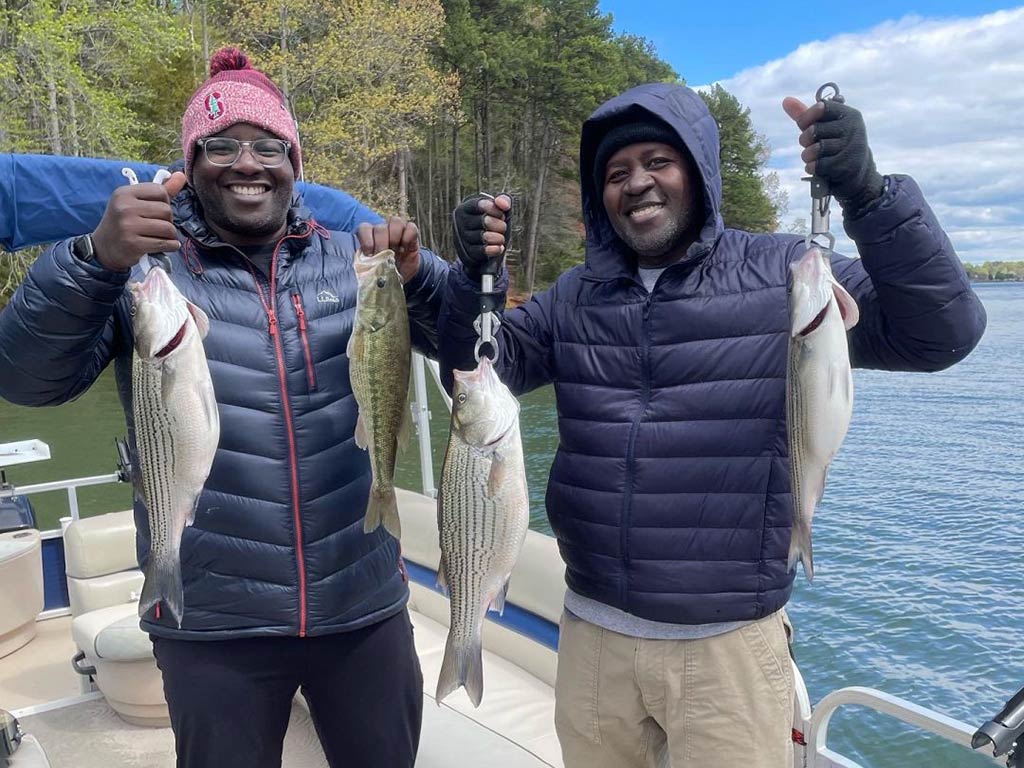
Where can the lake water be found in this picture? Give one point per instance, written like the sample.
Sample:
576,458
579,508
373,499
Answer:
918,589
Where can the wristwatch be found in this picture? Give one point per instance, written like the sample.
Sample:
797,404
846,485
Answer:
82,247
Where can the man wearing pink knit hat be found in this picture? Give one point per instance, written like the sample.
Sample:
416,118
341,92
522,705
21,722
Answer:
237,93
283,591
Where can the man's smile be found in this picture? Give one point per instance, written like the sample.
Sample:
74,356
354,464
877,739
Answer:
252,191
644,212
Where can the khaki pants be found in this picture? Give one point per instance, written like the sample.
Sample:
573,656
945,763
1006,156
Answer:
624,702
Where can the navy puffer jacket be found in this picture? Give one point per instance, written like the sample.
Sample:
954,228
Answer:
277,547
670,493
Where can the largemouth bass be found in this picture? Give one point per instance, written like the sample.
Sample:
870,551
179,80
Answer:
483,515
177,427
379,352
819,389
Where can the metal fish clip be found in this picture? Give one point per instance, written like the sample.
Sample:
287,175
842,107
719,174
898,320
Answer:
821,194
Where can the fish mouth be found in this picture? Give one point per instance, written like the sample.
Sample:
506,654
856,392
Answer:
816,322
174,343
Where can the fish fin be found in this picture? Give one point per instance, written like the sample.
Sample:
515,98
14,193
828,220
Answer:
201,318
498,601
382,509
405,428
210,408
800,542
191,518
163,585
801,548
442,577
463,666
840,383
138,490
362,438
167,376
847,305
354,348
496,477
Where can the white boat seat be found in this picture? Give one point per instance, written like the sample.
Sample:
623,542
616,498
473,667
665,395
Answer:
100,562
516,705
104,583
21,588
112,634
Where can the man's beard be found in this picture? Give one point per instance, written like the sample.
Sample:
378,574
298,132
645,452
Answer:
253,225
655,244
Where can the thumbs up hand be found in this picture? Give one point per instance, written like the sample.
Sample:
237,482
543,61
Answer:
138,220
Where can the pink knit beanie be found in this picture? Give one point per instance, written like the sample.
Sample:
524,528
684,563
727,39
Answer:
236,93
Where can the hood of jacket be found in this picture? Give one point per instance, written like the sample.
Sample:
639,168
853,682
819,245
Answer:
684,112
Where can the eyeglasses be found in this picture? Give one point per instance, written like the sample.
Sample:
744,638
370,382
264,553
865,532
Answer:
222,151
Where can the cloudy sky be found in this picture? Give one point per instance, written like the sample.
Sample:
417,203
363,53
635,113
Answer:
942,93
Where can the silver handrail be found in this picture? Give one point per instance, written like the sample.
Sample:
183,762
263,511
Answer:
421,418
70,485
905,711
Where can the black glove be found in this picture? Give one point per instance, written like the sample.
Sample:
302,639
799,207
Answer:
844,158
468,222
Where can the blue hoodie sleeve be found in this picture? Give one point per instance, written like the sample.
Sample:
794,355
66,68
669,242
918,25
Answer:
336,209
917,309
524,337
57,333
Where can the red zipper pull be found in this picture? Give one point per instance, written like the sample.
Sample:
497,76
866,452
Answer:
273,322
297,301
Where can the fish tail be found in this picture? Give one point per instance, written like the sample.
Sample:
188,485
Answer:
463,665
163,586
382,509
800,548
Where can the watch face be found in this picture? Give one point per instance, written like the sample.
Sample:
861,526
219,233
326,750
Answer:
10,734
82,247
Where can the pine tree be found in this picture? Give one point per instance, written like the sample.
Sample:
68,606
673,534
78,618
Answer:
751,199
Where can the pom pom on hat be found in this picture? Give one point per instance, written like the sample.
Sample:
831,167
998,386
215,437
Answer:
228,59
237,93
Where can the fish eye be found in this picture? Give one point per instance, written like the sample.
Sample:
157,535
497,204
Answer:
461,398
381,282
132,310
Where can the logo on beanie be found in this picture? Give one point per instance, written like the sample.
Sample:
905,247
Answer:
214,105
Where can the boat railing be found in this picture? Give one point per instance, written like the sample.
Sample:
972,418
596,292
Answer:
820,756
812,725
33,450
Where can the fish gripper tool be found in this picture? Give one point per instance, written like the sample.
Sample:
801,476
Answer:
821,194
488,321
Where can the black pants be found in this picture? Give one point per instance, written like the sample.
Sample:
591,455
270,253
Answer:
230,700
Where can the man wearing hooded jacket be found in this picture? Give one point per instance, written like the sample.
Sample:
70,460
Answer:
669,494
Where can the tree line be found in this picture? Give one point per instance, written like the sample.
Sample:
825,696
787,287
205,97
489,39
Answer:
409,105
996,271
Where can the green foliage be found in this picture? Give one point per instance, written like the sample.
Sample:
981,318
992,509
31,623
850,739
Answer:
361,79
747,192
81,74
473,94
13,269
996,271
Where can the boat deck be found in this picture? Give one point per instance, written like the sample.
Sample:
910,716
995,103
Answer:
40,674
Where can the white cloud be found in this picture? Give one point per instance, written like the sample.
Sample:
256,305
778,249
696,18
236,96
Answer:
943,101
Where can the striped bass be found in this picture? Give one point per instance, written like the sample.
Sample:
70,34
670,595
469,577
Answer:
483,514
819,389
177,427
379,352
